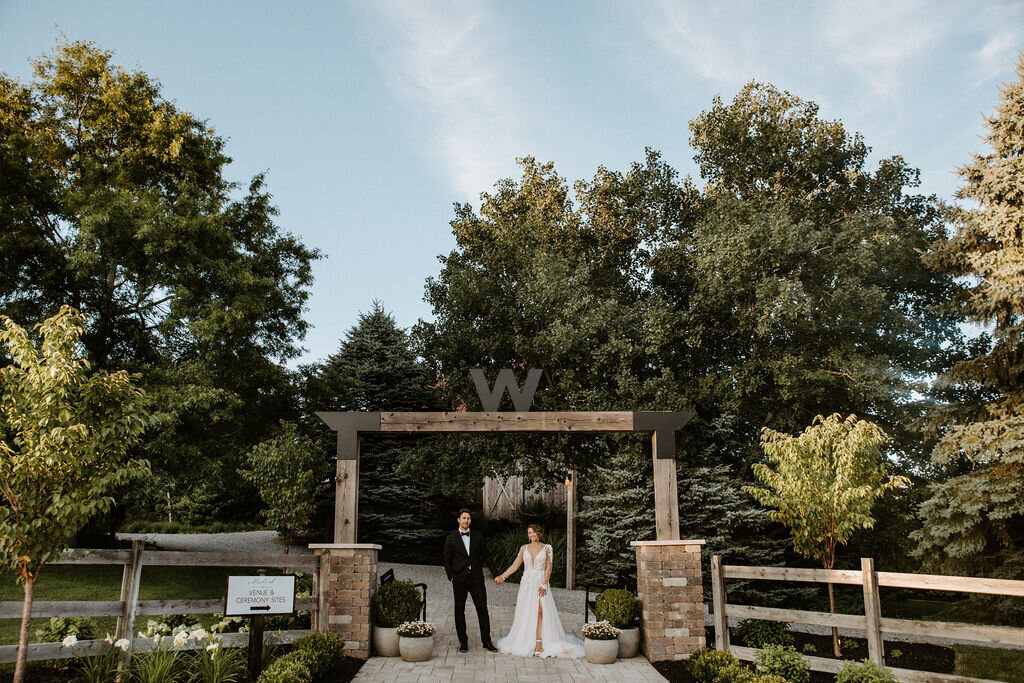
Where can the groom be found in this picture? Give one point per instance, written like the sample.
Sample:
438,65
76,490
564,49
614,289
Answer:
464,555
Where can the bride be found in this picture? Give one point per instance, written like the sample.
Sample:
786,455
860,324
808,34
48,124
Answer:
536,628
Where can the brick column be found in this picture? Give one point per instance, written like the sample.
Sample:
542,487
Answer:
347,577
669,586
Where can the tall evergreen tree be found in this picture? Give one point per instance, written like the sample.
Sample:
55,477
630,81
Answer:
376,370
974,521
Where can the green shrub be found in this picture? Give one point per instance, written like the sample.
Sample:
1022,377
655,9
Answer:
758,633
394,603
323,653
619,607
785,662
864,672
287,669
705,664
59,628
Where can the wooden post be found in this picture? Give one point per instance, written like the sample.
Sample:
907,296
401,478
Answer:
321,591
346,498
130,580
570,530
718,603
666,495
873,611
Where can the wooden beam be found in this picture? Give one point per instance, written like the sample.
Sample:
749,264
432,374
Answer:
346,499
963,584
616,421
666,498
988,635
846,576
797,616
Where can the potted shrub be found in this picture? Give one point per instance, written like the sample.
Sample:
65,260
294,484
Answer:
416,641
600,642
621,609
393,603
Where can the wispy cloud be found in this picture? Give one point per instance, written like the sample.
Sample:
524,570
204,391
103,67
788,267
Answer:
880,39
1001,49
438,59
702,40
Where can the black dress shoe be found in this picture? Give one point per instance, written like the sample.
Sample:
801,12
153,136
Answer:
490,647
463,647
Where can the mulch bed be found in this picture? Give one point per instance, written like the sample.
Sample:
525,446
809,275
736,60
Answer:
914,656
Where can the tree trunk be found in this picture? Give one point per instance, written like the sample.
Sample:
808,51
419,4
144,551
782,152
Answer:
26,619
835,632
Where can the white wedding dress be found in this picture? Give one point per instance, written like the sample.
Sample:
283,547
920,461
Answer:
521,638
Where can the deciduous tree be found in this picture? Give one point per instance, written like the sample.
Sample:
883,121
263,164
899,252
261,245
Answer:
115,200
66,436
288,470
822,484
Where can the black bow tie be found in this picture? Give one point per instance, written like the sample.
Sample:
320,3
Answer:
464,533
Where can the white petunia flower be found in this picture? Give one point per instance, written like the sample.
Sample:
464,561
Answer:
198,634
180,638
70,641
122,644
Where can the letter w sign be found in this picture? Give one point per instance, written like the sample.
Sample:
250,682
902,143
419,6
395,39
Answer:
491,398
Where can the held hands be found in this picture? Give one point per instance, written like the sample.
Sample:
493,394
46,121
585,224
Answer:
498,580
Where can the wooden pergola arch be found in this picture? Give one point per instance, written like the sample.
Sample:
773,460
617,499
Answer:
661,425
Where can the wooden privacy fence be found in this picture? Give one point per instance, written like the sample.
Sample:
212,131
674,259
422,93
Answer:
128,606
871,622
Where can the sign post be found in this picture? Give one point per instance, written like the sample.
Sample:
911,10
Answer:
255,597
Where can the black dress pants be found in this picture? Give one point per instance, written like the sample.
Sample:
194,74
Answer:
465,585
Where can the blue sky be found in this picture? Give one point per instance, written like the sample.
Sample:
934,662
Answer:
371,119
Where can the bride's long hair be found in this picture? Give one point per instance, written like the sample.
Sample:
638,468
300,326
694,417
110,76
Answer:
536,528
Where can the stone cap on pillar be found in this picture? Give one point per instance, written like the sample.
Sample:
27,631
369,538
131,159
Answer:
345,546
697,541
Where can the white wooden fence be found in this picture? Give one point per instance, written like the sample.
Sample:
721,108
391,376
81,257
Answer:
871,622
128,606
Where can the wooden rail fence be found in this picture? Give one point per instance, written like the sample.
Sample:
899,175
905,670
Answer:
128,606
871,622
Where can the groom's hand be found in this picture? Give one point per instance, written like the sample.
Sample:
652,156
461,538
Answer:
498,580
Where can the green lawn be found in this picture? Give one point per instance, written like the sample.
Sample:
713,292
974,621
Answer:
989,662
103,582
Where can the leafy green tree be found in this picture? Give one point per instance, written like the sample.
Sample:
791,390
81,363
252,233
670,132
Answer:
802,285
536,283
287,470
116,201
66,435
375,369
823,485
974,521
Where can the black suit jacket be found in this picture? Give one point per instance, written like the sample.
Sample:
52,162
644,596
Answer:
456,560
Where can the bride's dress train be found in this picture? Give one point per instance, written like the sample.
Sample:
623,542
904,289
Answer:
521,638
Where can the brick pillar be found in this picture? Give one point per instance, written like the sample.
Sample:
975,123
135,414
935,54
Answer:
669,586
347,577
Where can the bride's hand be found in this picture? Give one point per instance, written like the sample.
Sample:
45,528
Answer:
541,592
